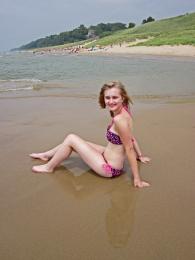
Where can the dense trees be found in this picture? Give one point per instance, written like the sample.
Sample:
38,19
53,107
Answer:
103,29
78,34
149,19
81,33
131,25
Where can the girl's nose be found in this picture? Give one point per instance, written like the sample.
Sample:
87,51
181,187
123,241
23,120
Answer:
111,101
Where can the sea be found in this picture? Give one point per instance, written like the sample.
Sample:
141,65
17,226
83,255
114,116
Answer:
146,77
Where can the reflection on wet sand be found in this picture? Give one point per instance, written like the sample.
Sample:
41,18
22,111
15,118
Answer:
121,196
120,215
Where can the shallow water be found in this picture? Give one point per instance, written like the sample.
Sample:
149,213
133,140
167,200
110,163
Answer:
27,74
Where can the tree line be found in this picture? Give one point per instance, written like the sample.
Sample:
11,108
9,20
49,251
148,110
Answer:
81,33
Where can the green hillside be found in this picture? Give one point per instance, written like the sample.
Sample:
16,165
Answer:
171,31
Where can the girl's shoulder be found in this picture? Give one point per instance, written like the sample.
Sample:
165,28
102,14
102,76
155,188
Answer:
124,116
122,120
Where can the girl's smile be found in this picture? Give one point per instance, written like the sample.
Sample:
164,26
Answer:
113,99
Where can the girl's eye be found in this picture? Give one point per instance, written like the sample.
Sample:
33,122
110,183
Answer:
113,97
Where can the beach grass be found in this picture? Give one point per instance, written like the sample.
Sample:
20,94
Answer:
179,38
170,31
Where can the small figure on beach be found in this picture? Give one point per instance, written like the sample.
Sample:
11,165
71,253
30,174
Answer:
105,161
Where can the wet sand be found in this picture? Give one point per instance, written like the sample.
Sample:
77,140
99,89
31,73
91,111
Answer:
75,214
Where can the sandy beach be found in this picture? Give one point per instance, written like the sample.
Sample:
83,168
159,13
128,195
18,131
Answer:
126,48
165,50
73,213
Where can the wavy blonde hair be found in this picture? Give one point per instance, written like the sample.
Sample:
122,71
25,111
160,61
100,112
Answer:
114,84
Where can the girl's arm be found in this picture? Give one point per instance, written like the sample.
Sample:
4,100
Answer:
139,155
123,129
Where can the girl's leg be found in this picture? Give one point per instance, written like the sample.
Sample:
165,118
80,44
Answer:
45,156
91,156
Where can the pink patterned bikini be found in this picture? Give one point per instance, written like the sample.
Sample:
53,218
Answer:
114,139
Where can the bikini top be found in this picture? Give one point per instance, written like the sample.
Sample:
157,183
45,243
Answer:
112,137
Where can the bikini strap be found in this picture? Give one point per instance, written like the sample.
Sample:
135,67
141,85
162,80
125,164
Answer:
113,119
126,109
111,123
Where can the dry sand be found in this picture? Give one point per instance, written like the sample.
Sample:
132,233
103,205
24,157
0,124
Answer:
74,214
165,50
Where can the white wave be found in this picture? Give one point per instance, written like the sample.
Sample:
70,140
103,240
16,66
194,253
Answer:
21,80
16,89
26,80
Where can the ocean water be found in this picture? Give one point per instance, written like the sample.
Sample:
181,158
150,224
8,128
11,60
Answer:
26,74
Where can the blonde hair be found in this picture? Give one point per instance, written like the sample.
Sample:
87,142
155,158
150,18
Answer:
123,92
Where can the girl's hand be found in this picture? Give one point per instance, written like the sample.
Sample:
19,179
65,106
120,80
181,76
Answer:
140,183
143,159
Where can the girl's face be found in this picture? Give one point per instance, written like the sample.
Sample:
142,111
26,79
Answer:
113,99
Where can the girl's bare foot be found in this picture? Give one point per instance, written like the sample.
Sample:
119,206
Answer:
41,156
41,169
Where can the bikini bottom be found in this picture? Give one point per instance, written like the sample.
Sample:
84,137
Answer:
109,169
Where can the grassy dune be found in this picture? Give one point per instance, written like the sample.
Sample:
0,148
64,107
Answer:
178,30
171,31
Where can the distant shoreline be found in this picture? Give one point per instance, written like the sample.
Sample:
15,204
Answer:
164,50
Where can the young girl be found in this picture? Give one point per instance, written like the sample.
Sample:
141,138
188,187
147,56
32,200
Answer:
105,161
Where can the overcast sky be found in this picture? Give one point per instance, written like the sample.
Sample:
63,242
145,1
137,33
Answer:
22,21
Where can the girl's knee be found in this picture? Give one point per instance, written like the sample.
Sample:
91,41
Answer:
70,137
